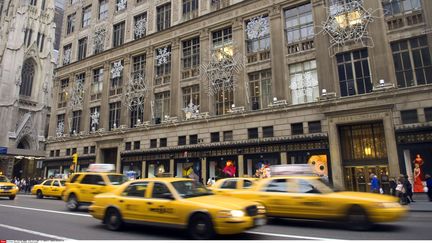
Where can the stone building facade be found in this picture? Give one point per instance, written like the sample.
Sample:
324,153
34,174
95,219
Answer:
225,87
27,61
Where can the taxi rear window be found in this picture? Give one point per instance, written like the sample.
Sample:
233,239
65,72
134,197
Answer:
117,179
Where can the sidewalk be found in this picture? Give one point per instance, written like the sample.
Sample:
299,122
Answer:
421,204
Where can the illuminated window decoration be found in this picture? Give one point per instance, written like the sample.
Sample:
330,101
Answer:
99,40
95,119
140,28
117,69
348,21
67,56
304,87
77,95
136,92
220,71
162,56
60,129
258,27
121,5
191,110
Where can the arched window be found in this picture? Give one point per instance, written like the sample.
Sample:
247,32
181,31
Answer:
27,76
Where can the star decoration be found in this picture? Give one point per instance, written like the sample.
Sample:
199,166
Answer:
136,92
77,95
191,110
162,56
117,69
121,5
258,27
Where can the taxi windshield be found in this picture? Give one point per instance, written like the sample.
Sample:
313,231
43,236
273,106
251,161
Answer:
188,189
117,179
321,186
3,179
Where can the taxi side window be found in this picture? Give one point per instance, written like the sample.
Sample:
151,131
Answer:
93,180
277,185
247,184
47,183
305,186
160,191
136,190
229,184
74,178
56,183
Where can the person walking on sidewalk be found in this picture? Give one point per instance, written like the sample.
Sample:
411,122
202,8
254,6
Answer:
375,187
429,186
409,189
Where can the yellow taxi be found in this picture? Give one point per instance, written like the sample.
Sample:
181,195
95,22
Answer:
228,184
176,202
309,197
83,186
49,188
7,188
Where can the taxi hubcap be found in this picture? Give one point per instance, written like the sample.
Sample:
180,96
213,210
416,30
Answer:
201,227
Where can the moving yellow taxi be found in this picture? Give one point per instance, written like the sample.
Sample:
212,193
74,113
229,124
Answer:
309,197
49,188
7,188
225,185
176,202
82,187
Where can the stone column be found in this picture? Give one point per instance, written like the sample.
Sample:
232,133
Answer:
124,113
336,163
204,57
149,73
104,108
175,102
283,158
144,169
239,79
204,170
118,160
392,152
240,159
54,105
172,167
85,112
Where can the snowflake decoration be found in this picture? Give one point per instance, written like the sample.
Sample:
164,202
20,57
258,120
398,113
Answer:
348,22
191,110
99,40
140,27
67,56
77,95
121,5
162,56
117,69
94,119
136,92
60,129
258,27
224,64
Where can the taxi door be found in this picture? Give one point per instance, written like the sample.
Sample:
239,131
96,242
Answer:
276,197
55,189
46,187
133,201
162,207
227,186
91,185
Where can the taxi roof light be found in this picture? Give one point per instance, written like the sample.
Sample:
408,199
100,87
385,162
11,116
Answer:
101,168
296,169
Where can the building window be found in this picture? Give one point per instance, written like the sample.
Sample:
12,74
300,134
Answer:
114,115
193,139
267,132
224,98
43,4
40,41
33,2
28,36
137,145
70,28
97,84
62,93
163,142
191,94
76,122
214,137
297,128
67,50
162,106
136,114
57,153
27,77
52,153
68,152
153,143
396,7
299,28
253,133
103,9
139,29
94,123
116,82
138,66
118,34
191,56
259,43
409,116
86,150
228,136
121,5
314,126
190,9
82,48
218,4
163,17
428,114
74,150
354,74
128,146
86,16
181,140
61,120
93,149
412,61
260,89
304,82
163,68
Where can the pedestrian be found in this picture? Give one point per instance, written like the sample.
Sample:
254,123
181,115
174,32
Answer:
375,187
429,186
393,185
211,181
400,191
409,189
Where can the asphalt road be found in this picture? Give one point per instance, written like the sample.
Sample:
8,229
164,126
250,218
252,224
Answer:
28,218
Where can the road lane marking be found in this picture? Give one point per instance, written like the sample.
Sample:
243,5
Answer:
292,236
46,210
35,232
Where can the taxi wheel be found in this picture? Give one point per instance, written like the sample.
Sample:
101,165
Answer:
113,220
201,227
72,203
11,197
39,194
357,219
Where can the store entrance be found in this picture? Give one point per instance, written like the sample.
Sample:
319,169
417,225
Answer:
358,178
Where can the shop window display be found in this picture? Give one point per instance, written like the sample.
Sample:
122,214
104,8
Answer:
132,171
157,168
223,169
190,170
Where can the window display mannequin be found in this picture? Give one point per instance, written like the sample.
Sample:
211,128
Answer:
418,184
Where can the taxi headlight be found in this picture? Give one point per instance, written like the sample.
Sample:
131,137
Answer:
261,209
230,214
15,187
388,205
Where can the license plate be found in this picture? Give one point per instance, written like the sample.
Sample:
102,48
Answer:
259,222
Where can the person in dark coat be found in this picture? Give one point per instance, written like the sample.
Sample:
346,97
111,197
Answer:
375,184
429,186
393,187
408,189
